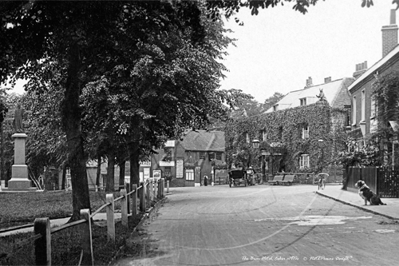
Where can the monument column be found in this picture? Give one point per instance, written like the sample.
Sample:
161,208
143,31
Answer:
19,175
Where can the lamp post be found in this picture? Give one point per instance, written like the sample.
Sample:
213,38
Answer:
255,145
264,154
321,141
395,128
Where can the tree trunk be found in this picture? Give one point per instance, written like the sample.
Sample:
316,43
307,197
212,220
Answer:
134,155
64,168
121,174
98,174
110,184
71,118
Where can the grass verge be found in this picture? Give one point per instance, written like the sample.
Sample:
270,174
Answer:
22,208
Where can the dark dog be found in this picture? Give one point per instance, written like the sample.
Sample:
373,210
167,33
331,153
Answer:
368,195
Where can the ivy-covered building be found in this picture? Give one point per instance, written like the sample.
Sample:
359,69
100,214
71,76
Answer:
301,133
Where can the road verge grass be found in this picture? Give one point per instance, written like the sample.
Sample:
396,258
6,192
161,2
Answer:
22,208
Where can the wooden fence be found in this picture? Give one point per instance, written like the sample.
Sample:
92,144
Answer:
146,192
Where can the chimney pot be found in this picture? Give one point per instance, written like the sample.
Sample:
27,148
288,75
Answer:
309,82
360,69
393,17
327,80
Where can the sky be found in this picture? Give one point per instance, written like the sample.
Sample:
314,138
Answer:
280,48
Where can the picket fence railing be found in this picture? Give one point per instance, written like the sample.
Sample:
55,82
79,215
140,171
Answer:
146,192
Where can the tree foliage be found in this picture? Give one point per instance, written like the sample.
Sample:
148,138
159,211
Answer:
272,100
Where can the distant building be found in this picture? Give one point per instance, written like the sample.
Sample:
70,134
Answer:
185,162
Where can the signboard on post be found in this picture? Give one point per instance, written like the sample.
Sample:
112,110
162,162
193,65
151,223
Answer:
157,174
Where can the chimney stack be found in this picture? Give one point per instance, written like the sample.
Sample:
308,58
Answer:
309,82
389,35
327,80
360,69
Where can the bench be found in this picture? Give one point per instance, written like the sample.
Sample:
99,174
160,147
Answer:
288,179
276,180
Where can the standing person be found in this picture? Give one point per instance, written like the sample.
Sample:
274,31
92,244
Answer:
18,124
205,180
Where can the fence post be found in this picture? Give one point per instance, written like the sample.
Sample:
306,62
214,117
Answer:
163,187
134,200
147,189
167,186
87,240
128,189
124,208
156,188
43,244
110,217
142,197
159,188
152,190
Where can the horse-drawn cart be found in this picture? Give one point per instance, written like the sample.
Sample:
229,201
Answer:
238,177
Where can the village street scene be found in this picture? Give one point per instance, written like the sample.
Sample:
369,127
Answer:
199,133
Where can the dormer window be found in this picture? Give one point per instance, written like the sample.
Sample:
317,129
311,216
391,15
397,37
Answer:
302,101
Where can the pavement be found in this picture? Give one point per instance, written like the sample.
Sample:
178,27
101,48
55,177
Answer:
334,191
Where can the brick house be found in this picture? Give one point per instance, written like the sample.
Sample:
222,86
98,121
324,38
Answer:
363,106
197,154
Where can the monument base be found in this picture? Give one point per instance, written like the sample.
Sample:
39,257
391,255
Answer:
19,184
19,171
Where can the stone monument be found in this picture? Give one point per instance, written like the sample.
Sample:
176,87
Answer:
19,175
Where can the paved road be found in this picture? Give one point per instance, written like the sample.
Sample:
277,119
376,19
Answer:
263,225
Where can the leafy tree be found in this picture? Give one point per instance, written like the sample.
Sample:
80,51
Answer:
272,100
81,41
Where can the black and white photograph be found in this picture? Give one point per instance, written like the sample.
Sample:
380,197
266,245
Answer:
199,132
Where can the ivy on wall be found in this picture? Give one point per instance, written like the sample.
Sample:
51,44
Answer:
284,135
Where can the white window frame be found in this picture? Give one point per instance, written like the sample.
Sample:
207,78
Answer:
363,106
373,125
302,101
190,174
264,135
373,108
354,111
304,161
305,132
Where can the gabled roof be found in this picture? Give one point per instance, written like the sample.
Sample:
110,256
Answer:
335,92
202,140
374,69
